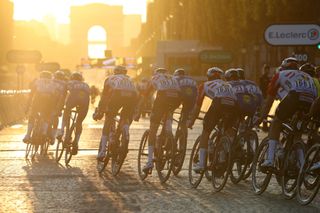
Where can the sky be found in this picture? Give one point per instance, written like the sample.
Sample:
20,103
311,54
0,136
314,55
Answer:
37,9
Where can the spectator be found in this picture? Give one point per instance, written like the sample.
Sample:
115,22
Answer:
263,83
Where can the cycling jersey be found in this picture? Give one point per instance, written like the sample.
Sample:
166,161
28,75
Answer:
78,88
249,96
293,80
217,89
165,85
43,86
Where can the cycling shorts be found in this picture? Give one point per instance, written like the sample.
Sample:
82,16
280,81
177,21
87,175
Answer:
124,100
80,102
247,103
290,105
163,105
219,110
43,104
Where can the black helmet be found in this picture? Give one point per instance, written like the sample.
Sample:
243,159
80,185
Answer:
214,73
59,75
160,71
179,72
46,74
76,76
240,73
231,74
290,63
309,69
120,70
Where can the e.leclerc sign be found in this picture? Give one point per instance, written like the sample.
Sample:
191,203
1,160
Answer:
215,56
293,34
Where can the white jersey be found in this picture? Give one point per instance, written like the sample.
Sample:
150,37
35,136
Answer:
218,88
163,82
44,86
292,80
120,82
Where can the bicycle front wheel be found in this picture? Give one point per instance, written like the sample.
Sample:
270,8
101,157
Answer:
59,150
195,177
254,143
120,155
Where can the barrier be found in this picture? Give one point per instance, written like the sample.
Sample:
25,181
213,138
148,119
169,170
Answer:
12,106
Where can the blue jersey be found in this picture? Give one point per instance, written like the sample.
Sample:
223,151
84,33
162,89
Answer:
188,87
78,89
249,96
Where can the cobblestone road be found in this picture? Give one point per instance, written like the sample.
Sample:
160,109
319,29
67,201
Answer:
45,186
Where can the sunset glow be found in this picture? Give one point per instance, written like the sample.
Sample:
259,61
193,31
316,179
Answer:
38,9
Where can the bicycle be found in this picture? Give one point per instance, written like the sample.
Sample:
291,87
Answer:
37,140
66,145
180,142
218,158
118,149
309,181
163,151
243,150
286,159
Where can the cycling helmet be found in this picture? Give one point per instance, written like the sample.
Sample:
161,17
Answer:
179,72
120,70
76,76
160,71
290,63
214,73
231,74
46,74
241,73
59,75
309,69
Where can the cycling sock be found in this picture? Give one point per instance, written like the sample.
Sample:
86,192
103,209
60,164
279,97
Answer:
271,150
150,154
202,161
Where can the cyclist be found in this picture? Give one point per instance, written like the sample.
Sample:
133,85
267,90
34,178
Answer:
60,81
119,92
78,97
166,101
189,92
40,101
223,102
300,92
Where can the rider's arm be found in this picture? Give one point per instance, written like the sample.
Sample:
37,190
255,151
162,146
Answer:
143,98
197,108
273,87
104,95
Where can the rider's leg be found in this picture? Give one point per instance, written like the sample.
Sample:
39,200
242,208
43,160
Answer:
82,113
30,127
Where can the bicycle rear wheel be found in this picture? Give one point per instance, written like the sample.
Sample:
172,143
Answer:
180,152
290,169
120,155
260,176
195,177
254,143
221,163
143,155
308,183
239,155
59,150
165,156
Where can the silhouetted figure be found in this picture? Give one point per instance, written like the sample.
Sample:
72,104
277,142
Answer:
263,83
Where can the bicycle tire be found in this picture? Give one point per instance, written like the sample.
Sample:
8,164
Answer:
59,150
217,167
121,153
257,160
312,155
165,157
194,159
143,152
254,146
180,141
239,155
290,170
